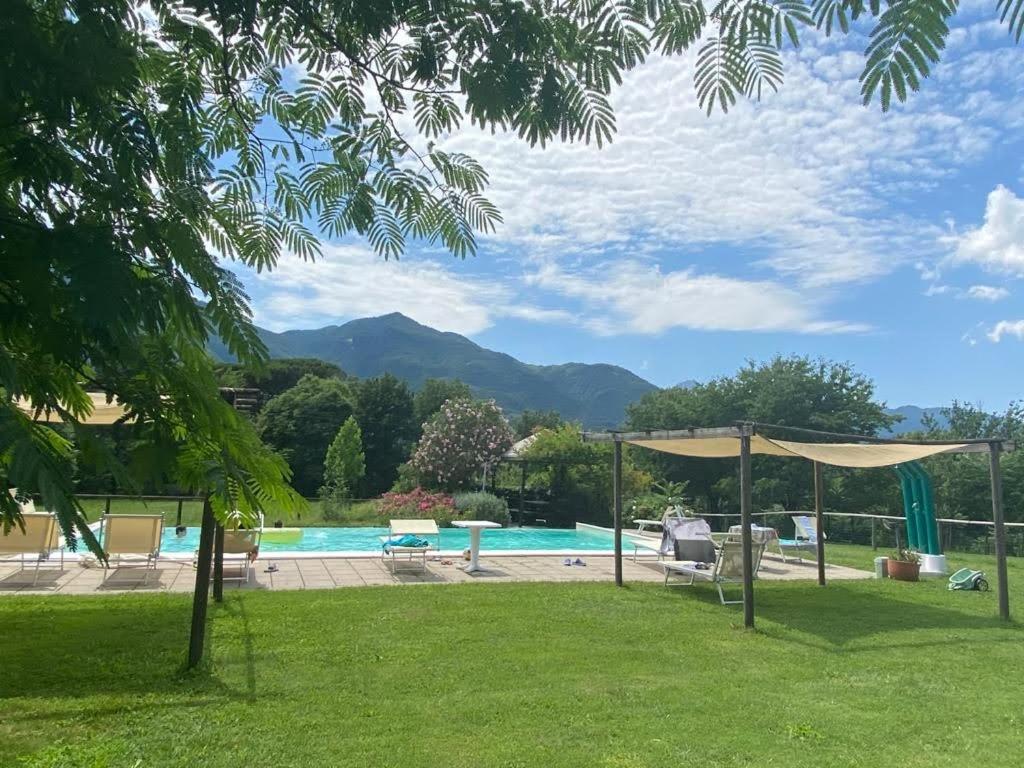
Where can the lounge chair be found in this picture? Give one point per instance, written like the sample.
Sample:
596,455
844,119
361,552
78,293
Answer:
241,546
418,528
39,538
135,535
727,568
805,538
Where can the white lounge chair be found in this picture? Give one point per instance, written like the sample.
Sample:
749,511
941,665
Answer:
241,546
39,539
805,538
132,535
419,528
727,568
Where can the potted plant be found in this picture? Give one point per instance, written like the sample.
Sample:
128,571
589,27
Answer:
904,565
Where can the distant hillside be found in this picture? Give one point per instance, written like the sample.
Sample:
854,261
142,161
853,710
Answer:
596,395
913,418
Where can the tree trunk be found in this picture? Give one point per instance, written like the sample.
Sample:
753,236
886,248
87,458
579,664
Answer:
200,598
218,563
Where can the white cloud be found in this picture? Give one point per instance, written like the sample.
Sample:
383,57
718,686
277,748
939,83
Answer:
632,297
987,293
802,186
1006,328
351,281
998,244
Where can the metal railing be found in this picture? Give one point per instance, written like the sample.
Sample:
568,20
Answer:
888,531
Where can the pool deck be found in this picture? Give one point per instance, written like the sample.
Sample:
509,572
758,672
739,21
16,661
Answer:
176,575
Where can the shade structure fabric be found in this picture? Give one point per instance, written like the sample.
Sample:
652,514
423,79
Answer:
102,412
861,455
712,447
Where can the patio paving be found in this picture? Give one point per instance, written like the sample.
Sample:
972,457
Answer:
340,572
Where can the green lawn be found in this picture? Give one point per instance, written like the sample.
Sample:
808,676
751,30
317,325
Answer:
860,673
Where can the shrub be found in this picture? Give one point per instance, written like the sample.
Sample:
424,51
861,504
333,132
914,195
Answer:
418,503
459,441
478,505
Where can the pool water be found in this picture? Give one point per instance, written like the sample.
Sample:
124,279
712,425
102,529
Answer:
368,540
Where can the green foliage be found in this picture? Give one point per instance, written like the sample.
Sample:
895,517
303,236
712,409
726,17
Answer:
904,45
531,421
480,505
273,377
794,391
301,423
905,556
436,392
961,481
344,467
578,475
384,410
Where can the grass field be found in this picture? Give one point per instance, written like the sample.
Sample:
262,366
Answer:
360,513
860,673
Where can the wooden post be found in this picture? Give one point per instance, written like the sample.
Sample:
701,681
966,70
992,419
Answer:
522,494
819,519
200,597
177,520
994,450
617,509
218,564
746,502
106,506
874,545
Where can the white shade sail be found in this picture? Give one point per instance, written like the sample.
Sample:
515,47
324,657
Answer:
102,412
836,454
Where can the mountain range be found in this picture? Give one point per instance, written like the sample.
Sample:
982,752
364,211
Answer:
913,418
594,394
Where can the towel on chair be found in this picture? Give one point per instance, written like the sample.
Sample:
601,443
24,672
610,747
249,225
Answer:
408,540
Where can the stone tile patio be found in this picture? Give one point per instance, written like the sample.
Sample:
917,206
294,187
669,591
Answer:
330,573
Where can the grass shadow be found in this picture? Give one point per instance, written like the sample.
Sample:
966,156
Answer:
72,647
844,615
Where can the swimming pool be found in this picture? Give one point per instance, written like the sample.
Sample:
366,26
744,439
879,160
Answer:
368,540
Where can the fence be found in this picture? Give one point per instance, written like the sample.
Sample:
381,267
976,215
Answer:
187,510
889,532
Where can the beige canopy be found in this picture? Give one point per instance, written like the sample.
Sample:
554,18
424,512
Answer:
837,454
102,412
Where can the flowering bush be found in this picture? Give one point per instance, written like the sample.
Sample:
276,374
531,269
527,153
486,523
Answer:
460,439
417,503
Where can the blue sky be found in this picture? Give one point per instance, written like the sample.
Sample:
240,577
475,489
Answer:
804,224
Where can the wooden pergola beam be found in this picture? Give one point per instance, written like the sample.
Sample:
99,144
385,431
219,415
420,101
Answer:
701,433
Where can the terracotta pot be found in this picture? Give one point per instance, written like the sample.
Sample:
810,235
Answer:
903,571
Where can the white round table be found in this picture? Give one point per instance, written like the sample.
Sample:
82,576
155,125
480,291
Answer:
475,527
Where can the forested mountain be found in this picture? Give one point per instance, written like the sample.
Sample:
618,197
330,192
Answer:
596,395
913,418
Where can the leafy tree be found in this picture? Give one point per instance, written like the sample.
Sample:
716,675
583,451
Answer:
344,466
436,392
530,421
462,438
578,475
302,422
275,376
384,410
789,391
962,486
